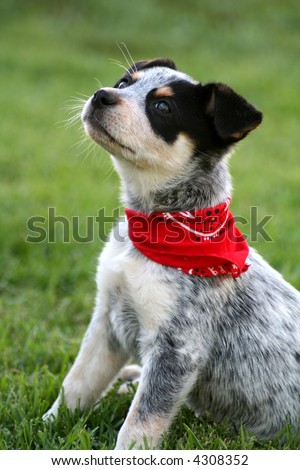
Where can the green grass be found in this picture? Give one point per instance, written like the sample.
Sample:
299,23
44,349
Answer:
53,51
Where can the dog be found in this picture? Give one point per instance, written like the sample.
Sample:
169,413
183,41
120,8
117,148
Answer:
219,332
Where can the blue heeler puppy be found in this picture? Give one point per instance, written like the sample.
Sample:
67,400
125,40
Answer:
222,337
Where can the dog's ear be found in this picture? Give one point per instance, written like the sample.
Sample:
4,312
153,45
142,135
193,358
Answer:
233,117
146,64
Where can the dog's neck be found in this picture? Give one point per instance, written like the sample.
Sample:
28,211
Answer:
146,191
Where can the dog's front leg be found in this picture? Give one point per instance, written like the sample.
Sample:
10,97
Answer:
98,362
166,380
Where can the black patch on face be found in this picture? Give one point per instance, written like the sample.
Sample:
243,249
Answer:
187,115
212,115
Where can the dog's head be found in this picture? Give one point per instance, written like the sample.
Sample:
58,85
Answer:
156,117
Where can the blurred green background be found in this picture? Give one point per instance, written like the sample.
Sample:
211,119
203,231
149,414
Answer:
52,52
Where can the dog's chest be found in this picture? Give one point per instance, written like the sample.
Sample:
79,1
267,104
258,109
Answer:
140,295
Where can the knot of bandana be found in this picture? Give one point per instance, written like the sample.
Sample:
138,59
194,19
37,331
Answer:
203,242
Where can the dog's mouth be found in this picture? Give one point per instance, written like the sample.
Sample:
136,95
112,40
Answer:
101,135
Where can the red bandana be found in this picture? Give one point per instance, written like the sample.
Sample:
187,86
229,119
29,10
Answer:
202,242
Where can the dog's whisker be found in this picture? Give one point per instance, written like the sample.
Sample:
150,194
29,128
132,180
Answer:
88,152
83,141
116,62
72,120
82,96
70,108
74,111
110,171
74,104
91,154
99,84
74,107
79,97
123,54
130,56
123,48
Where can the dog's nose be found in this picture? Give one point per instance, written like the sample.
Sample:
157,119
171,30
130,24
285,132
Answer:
103,98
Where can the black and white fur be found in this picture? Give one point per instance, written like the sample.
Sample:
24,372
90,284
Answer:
223,345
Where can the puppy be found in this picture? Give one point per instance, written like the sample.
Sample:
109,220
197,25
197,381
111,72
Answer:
213,325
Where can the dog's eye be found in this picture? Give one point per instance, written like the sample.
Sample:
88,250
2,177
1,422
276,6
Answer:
163,107
124,83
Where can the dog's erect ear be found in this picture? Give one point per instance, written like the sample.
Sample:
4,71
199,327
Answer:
232,115
146,64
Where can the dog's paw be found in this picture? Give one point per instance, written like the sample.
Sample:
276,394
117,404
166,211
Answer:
130,375
52,413
48,417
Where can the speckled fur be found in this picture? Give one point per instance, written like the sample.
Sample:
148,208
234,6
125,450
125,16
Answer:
223,345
